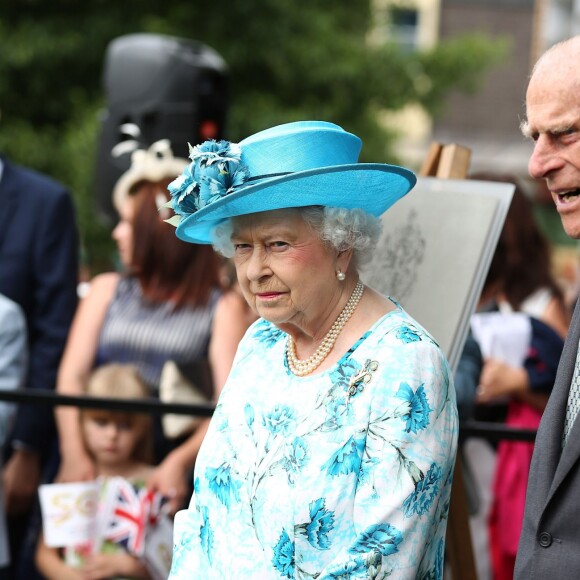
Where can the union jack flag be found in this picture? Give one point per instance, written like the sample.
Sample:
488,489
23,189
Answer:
131,511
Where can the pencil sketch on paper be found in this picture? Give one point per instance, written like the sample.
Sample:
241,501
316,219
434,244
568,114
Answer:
435,250
399,254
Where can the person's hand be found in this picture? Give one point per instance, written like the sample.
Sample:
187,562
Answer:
170,480
79,467
100,566
499,380
70,573
20,478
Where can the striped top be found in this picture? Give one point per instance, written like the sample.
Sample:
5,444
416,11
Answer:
147,334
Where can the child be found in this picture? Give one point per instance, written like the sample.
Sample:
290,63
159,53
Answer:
121,446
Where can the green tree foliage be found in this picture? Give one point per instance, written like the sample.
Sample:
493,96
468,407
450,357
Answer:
287,61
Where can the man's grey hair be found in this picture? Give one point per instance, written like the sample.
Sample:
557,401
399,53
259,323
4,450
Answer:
343,229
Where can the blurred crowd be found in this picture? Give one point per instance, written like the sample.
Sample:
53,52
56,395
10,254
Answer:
167,326
506,374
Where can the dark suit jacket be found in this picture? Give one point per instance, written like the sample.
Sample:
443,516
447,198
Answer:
38,270
550,541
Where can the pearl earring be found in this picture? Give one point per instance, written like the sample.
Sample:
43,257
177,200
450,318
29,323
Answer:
341,276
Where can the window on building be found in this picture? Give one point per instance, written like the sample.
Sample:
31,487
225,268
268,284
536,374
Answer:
403,26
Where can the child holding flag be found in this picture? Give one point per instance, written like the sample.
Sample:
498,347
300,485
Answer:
121,513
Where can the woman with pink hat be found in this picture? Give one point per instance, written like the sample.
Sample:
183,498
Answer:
331,450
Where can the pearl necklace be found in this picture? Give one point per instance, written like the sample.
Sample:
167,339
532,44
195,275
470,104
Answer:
304,367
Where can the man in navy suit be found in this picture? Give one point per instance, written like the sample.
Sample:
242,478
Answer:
38,271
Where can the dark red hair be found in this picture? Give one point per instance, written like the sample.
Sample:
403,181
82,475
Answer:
522,260
168,269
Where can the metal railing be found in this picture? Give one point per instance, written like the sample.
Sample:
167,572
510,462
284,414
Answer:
469,428
153,406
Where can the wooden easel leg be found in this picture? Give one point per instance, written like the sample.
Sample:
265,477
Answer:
452,162
459,546
431,161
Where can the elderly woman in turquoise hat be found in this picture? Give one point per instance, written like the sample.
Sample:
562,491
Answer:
331,450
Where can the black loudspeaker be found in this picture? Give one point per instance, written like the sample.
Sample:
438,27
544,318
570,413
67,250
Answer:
156,87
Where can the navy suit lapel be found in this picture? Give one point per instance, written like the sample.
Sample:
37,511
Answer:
560,461
8,199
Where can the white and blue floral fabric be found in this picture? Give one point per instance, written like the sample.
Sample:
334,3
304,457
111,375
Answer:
342,474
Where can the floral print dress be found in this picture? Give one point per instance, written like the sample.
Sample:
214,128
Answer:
342,474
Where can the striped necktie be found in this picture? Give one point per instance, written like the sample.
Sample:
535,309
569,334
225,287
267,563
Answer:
573,405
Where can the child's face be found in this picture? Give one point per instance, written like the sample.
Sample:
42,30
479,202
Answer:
111,439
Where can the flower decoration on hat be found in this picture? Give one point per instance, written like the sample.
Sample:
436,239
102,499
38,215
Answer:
215,171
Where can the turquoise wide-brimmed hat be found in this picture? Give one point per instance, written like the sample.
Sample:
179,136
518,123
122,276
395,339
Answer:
293,165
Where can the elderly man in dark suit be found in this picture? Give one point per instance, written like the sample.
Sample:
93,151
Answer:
550,541
38,271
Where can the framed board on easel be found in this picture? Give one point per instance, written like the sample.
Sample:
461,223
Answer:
435,251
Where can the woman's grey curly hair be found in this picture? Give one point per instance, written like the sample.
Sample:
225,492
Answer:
344,229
